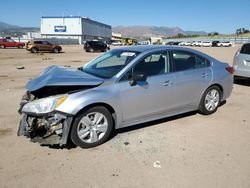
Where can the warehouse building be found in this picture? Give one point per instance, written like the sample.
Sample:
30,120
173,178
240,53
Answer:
74,27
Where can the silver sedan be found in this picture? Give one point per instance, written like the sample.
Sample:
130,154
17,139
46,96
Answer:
242,61
120,88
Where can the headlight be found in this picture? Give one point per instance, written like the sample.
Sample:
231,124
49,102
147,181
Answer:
44,105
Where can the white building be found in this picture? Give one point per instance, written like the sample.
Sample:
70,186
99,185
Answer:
74,27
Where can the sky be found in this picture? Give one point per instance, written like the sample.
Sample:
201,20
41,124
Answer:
223,16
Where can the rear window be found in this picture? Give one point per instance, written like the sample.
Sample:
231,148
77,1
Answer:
186,60
245,49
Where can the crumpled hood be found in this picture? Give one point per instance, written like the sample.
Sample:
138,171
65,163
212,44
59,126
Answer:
61,76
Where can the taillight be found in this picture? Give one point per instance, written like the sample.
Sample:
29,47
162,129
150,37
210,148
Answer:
230,69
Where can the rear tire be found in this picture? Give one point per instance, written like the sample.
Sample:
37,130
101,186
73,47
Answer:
210,100
92,127
34,50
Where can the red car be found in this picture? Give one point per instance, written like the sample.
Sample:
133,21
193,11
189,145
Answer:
10,43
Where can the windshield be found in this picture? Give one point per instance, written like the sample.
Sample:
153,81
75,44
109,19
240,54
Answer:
110,63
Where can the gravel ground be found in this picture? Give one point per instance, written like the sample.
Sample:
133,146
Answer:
190,150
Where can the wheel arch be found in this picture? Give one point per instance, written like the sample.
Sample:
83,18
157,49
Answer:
109,108
214,84
56,47
34,48
219,86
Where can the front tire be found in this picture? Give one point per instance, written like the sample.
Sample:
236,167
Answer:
55,50
92,127
210,100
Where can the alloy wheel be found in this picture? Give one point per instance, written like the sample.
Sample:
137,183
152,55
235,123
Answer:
92,127
212,100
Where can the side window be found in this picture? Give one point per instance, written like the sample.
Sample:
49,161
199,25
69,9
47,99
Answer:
245,49
38,42
185,61
45,43
201,62
152,65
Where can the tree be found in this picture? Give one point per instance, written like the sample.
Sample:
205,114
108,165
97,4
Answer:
241,31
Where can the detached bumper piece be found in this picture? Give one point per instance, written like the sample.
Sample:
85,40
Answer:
52,129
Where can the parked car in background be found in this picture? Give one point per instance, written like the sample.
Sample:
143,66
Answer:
215,43
197,43
241,62
44,46
7,42
93,46
193,43
120,88
172,43
181,43
187,43
116,43
206,44
224,44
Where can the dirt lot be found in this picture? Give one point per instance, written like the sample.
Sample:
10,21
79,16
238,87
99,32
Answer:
193,150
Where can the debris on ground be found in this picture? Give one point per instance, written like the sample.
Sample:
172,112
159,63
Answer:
20,68
126,143
3,76
114,175
67,66
76,61
47,58
157,164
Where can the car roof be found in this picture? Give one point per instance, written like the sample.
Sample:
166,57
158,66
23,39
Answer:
145,48
142,48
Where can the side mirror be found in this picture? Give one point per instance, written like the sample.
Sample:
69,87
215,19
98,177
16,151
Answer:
137,77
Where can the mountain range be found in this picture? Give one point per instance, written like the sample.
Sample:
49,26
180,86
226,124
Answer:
12,30
151,31
126,31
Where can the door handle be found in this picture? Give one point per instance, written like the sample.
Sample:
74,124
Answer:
204,75
167,83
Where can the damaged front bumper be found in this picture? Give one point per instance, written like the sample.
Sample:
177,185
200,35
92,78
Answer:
48,129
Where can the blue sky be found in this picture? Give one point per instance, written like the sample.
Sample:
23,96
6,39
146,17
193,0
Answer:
223,16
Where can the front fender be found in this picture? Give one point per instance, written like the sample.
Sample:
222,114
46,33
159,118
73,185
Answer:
107,95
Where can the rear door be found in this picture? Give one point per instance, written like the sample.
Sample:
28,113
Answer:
46,46
192,76
100,46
